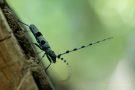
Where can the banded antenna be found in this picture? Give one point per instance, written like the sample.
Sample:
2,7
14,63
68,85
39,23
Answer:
84,46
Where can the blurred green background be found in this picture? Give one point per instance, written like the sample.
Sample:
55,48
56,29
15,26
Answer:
71,23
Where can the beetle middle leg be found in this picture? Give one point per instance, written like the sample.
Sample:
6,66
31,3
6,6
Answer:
41,58
37,45
49,64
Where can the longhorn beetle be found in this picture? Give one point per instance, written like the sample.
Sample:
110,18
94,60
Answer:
44,45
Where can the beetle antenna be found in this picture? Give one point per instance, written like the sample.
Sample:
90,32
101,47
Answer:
69,68
23,23
84,46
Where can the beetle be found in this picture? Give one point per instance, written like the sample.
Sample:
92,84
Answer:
44,45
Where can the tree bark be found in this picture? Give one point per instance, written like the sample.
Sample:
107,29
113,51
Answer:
18,67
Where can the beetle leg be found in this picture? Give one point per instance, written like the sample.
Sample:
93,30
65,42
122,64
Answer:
37,45
49,64
41,58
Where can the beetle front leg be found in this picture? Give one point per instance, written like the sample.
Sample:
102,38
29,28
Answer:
38,45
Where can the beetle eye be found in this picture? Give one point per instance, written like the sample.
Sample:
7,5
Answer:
42,42
38,34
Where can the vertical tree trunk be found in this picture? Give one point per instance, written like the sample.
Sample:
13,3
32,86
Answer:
18,68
